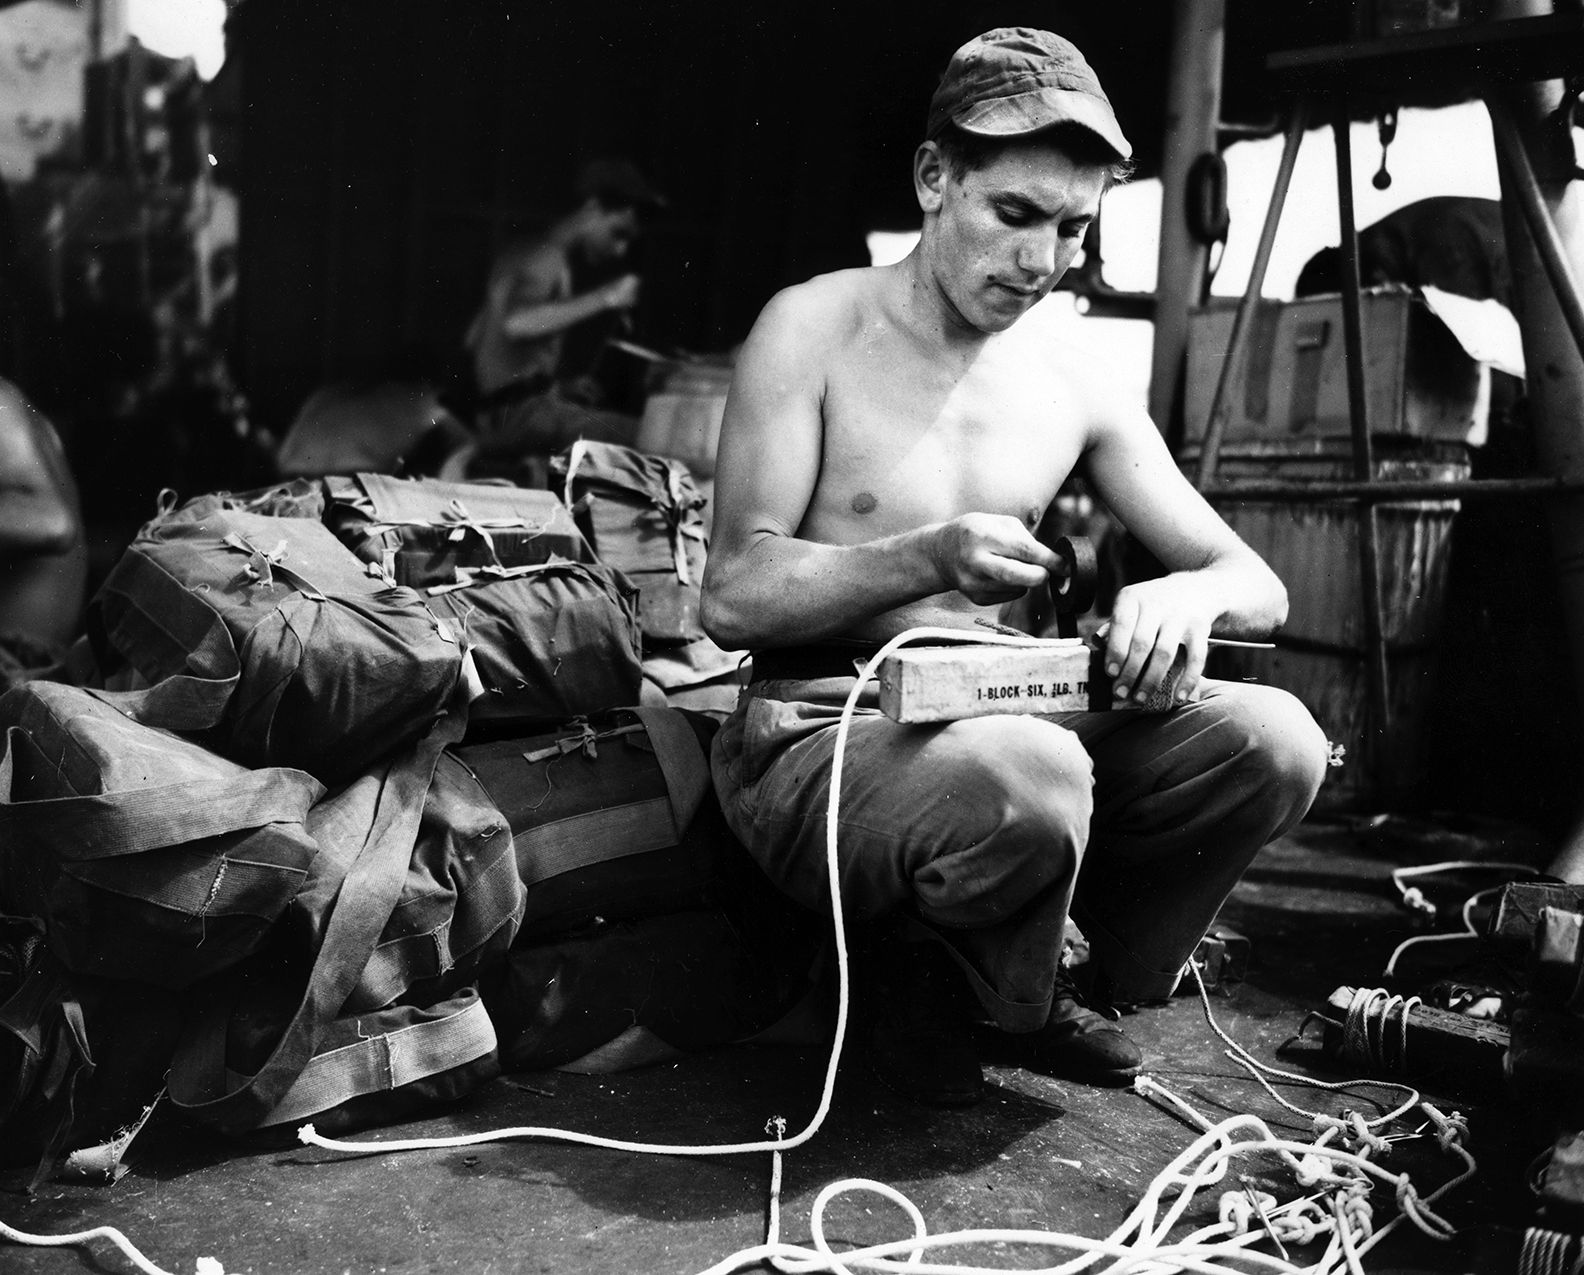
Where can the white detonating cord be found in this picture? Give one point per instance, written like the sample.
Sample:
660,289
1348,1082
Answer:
1139,1244
1414,898
205,1265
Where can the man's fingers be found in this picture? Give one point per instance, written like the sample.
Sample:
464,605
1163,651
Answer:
1132,651
1195,651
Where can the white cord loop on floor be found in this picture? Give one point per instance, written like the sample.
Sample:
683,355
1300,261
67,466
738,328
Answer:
1414,899
308,1135
204,1266
1140,1243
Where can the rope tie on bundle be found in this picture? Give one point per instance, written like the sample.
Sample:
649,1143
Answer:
265,564
674,512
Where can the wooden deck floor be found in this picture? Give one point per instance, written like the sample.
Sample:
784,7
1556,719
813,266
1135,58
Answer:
1038,1153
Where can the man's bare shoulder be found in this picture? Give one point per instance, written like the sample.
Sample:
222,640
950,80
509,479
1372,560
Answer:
826,309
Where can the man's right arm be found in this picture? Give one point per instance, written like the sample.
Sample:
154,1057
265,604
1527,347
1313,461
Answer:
765,585
527,319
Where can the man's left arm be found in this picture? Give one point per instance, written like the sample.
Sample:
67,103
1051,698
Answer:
1214,581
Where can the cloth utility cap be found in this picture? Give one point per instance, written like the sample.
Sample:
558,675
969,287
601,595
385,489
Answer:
615,182
1018,80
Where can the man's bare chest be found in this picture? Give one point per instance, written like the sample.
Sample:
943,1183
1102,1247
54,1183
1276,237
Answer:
907,444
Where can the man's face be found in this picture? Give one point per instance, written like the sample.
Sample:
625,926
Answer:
611,233
1005,232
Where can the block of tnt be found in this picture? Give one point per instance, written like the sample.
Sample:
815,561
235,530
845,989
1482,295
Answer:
1388,1036
1560,1181
945,683
1222,957
1545,1064
1555,956
1517,914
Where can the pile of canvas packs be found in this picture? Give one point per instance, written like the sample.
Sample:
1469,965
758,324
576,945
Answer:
363,790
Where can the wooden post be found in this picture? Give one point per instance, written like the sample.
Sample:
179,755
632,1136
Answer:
1555,387
1193,115
1377,737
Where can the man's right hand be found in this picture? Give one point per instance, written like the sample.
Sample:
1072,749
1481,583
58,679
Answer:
621,294
990,558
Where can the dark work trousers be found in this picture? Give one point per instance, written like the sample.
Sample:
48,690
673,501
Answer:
515,426
989,830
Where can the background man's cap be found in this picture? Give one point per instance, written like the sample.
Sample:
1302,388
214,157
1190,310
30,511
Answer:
1018,80
615,182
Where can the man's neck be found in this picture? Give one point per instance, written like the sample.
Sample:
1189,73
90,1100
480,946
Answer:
928,313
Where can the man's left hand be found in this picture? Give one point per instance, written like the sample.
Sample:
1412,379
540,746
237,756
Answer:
1152,623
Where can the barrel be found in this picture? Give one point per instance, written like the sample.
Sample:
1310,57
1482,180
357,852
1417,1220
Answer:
682,417
1321,652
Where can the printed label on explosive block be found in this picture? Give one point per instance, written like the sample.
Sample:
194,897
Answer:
938,684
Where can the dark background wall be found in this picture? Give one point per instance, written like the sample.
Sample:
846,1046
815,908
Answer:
387,145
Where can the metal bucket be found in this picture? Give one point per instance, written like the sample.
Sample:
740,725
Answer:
1320,653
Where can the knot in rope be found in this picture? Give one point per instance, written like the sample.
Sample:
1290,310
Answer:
1354,1208
1450,1130
1304,1225
1239,1209
1413,898
1407,1197
1327,1127
1365,1138
1420,1214
1317,1170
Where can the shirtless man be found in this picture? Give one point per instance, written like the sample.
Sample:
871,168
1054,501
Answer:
529,307
891,440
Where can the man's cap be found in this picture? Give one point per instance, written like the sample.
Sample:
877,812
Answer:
1018,80
615,182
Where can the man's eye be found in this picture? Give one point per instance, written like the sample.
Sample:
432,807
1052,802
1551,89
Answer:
1013,216
1074,229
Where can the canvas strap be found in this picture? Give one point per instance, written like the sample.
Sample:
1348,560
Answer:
418,1044
367,895
103,825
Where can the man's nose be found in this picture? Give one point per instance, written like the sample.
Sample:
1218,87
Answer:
1037,253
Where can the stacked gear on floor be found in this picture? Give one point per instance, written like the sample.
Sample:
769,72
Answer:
359,791
644,515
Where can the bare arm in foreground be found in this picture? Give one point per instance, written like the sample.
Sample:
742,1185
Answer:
789,563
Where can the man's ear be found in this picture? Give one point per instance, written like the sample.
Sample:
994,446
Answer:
929,176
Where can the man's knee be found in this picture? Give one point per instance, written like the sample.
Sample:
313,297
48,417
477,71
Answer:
1283,750
1014,808
1035,770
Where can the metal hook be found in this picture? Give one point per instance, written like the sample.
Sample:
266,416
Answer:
1387,126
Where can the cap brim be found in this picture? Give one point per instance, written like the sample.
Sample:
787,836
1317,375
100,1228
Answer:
1038,109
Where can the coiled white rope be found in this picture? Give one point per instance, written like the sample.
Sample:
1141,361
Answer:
1547,1252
